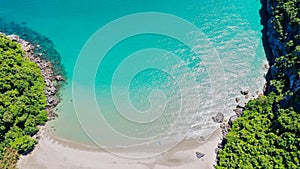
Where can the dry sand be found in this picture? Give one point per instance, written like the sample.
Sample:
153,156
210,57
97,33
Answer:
52,153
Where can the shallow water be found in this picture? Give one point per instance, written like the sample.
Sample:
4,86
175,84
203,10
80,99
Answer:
188,90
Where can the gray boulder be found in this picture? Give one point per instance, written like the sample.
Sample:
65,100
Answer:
244,92
199,155
238,111
231,119
218,118
13,37
241,105
58,77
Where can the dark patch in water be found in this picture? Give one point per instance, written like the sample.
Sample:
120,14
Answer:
46,50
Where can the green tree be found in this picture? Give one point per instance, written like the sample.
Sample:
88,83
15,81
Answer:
22,102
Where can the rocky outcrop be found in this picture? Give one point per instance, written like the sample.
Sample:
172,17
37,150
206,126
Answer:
283,34
227,124
47,73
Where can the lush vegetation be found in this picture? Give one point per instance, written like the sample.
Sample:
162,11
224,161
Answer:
263,137
267,135
22,102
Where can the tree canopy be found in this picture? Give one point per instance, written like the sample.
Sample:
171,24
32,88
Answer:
22,102
263,137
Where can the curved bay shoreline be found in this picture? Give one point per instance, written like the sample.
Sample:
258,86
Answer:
47,141
51,141
180,156
54,152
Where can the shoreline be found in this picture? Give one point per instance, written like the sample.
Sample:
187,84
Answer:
47,132
46,69
53,152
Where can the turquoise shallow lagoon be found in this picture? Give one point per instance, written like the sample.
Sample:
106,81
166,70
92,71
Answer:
232,28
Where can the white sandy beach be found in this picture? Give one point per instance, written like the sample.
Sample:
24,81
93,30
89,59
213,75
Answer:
52,153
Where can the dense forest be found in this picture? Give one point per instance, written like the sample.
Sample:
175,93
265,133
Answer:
22,102
267,134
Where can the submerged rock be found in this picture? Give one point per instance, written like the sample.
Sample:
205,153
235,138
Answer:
59,78
56,102
218,118
244,92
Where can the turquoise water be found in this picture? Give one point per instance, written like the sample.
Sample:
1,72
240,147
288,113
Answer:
232,29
